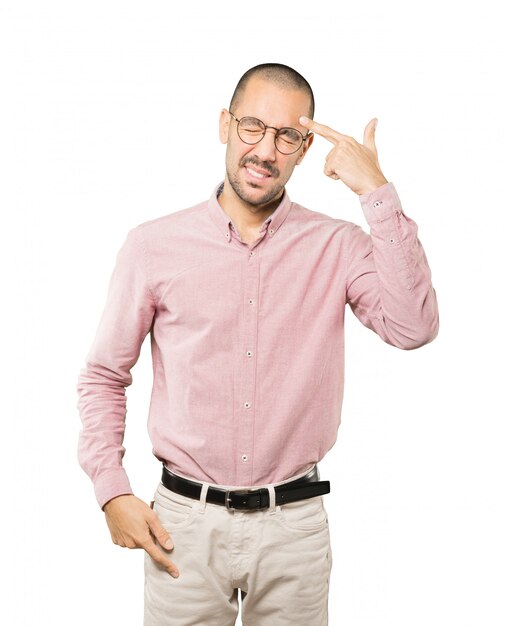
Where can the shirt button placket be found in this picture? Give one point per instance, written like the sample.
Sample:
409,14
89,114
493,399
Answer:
247,373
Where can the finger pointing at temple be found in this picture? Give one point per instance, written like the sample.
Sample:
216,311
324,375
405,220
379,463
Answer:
322,130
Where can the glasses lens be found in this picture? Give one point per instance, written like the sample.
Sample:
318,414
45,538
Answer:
251,130
288,140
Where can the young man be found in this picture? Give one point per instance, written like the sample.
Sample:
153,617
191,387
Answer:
244,298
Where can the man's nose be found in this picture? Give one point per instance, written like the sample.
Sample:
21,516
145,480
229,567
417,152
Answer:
265,149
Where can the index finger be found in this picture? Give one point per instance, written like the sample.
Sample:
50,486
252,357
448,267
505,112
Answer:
322,130
157,555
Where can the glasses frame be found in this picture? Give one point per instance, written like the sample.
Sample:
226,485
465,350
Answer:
278,130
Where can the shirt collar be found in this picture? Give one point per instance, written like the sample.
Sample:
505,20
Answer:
223,221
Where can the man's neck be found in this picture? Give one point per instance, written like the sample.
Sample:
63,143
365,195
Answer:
245,216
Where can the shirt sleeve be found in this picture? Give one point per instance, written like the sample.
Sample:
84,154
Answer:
389,285
125,321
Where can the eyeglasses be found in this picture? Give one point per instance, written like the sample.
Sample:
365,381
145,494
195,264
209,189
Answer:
252,130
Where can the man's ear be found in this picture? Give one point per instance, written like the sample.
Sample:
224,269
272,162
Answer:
305,148
224,125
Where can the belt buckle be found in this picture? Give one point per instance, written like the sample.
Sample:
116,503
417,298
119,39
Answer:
228,499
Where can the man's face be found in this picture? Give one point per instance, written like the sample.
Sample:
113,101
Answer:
258,173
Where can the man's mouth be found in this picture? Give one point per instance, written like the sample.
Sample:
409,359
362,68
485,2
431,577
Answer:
256,172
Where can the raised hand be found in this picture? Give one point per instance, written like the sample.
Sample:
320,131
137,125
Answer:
355,164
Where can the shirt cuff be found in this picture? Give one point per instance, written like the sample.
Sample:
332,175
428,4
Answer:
111,484
380,203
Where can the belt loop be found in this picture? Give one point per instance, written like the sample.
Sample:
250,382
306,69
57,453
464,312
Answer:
201,507
272,499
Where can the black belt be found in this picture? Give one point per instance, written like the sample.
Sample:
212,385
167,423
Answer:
306,486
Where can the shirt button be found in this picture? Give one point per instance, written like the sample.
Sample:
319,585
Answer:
252,253
249,353
250,301
271,230
244,457
378,203
247,405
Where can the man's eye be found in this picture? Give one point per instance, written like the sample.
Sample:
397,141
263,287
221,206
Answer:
289,136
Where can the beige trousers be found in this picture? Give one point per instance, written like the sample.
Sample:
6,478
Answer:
279,557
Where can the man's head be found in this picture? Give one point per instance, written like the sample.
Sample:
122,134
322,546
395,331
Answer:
276,95
282,76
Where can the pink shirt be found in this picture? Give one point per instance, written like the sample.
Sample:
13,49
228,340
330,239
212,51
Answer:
246,339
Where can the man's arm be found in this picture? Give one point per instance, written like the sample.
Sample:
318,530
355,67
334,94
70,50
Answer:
388,278
125,321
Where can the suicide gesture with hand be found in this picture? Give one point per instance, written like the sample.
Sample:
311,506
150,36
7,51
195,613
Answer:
354,163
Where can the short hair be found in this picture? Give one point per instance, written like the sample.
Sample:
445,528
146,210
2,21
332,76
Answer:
282,75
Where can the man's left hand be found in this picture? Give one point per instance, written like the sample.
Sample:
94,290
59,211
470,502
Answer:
355,164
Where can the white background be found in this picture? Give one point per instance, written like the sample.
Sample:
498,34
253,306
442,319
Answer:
109,117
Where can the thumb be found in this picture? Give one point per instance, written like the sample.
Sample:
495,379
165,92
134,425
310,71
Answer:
369,136
161,534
